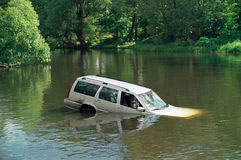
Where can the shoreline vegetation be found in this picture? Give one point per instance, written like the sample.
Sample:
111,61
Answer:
233,48
30,28
20,39
203,45
7,65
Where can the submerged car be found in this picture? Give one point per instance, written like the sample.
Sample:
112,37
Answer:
94,93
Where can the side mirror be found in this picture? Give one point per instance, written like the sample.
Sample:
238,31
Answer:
141,109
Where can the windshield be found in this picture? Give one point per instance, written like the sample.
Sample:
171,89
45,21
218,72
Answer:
152,100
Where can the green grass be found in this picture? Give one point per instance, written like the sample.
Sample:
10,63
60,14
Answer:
142,46
204,45
126,45
165,47
233,48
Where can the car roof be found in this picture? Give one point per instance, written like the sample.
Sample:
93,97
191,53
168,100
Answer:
127,86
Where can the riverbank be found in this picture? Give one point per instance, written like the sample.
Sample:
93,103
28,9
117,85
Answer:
8,65
204,45
142,46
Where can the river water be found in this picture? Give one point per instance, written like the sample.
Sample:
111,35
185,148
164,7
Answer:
35,125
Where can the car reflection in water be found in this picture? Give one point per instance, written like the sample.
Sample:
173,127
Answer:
108,122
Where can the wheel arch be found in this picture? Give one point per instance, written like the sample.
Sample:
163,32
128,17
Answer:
89,106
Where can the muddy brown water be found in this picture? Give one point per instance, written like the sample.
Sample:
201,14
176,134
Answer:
35,125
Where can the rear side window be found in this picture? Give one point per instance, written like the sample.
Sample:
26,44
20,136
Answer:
108,94
86,88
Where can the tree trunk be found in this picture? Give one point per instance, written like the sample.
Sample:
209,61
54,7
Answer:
130,35
79,30
136,33
116,38
174,4
67,43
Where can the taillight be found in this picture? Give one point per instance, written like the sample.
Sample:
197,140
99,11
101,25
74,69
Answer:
70,88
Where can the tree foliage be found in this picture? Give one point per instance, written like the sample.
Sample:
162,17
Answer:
81,23
232,14
70,21
20,39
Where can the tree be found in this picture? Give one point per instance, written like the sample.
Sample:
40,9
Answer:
75,22
20,39
68,20
232,16
183,19
40,6
120,19
3,3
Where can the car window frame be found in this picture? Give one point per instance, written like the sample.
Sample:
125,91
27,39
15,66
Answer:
87,83
136,97
117,97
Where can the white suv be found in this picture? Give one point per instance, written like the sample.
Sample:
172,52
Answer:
94,93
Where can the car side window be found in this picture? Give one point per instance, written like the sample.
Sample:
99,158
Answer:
86,88
129,100
108,94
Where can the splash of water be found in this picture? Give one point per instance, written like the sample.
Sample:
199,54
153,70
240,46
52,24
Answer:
179,112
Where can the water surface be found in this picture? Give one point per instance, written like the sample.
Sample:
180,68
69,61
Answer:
35,125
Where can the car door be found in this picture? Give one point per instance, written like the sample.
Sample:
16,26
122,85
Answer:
127,102
84,92
107,99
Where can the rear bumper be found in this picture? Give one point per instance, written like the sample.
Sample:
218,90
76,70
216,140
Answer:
71,104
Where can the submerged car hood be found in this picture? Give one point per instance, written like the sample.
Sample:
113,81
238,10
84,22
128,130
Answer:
177,112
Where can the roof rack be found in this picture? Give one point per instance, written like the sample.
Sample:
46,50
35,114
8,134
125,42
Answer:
84,78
